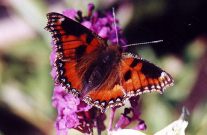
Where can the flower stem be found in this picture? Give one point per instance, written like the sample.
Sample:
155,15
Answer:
112,114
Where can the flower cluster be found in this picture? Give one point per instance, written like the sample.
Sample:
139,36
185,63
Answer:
72,112
66,104
100,23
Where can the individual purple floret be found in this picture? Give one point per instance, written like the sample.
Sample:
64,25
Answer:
125,119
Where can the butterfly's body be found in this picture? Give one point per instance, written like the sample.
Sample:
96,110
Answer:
99,70
103,75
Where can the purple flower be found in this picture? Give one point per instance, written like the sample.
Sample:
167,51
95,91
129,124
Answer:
125,120
67,105
72,112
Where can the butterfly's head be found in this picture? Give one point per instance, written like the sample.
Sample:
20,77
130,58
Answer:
116,48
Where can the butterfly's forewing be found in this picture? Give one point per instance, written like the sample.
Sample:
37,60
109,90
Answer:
71,38
140,76
73,41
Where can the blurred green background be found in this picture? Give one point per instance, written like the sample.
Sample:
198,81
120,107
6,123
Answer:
26,86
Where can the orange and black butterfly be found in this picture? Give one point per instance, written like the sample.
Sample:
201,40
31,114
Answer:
102,75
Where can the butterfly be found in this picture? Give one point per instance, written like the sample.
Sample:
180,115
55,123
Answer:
102,75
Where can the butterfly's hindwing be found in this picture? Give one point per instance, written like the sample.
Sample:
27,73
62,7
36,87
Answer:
140,76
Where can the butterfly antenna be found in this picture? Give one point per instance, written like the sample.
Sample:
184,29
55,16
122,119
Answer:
114,16
144,43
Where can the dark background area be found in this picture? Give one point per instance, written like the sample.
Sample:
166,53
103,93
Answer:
181,23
